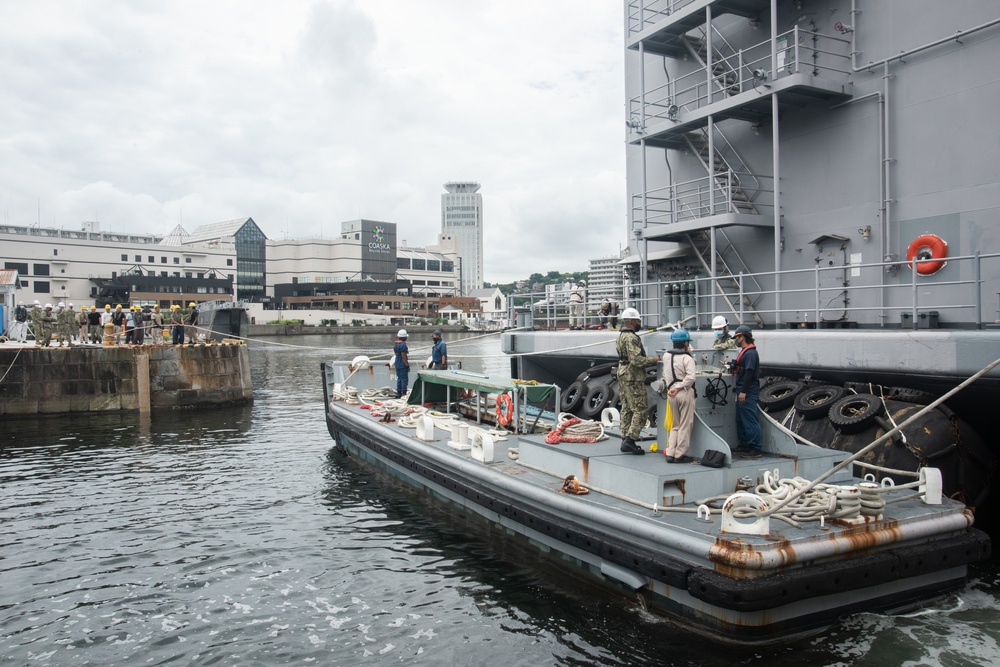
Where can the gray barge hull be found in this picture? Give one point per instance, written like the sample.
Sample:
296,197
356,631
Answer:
731,588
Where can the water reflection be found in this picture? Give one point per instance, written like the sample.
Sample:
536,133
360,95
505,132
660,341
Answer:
237,537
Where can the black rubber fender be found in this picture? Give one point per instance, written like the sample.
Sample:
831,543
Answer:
572,397
815,402
596,371
597,398
856,412
615,401
908,395
779,395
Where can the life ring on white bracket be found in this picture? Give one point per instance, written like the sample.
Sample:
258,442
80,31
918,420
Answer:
505,409
927,246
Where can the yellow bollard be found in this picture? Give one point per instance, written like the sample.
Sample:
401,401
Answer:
109,334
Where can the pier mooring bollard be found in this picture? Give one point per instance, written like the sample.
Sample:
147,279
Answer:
109,334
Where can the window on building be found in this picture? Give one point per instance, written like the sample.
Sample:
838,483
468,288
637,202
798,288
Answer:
229,262
41,287
433,265
177,274
201,275
187,260
295,280
188,274
41,269
177,260
55,252
402,262
124,258
163,274
138,258
24,283
447,266
151,259
163,260
22,267
419,265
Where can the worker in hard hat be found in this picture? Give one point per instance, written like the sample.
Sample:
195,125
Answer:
176,325
191,319
632,363
65,325
577,301
82,325
679,376
94,324
723,341
118,319
156,326
401,363
19,329
46,321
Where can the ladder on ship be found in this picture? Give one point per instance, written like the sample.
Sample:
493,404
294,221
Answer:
741,303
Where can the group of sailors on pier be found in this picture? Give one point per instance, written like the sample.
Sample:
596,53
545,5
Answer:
62,325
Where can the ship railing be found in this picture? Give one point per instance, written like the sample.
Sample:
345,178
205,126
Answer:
799,51
697,198
644,14
887,294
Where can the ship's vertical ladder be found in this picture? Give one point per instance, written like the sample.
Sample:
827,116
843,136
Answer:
741,298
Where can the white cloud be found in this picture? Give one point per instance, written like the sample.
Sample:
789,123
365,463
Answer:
303,114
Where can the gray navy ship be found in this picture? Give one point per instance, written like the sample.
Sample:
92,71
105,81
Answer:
826,172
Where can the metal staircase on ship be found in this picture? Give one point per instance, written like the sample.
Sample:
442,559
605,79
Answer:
720,84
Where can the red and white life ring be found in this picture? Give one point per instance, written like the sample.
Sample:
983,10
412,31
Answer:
505,409
927,246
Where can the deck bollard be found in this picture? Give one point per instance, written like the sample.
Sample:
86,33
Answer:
109,334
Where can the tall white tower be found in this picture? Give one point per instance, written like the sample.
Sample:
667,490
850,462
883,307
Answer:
462,221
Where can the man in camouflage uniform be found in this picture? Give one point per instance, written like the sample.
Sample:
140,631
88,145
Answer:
67,324
35,317
632,363
46,321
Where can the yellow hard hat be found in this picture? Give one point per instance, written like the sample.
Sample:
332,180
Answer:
83,308
131,307
107,306
174,305
191,305
118,305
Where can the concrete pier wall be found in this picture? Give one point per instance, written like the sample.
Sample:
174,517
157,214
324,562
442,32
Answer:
96,379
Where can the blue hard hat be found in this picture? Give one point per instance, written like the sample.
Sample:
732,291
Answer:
680,335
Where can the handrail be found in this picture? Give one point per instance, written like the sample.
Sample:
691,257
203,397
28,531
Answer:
906,299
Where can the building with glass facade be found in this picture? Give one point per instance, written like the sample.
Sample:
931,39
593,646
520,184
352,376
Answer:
249,243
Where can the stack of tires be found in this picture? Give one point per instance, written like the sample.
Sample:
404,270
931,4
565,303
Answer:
597,388
849,418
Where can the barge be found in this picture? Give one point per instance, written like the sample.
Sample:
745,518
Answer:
723,551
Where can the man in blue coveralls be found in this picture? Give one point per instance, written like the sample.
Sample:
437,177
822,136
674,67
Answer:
439,353
746,386
402,363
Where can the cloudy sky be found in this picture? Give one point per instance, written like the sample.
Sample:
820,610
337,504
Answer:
143,114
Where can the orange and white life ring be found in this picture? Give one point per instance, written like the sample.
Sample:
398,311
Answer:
927,246
505,409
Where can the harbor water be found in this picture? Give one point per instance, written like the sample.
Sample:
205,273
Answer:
239,537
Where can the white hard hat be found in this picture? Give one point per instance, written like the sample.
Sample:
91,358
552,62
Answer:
582,283
631,314
70,305
402,334
48,305
719,322
36,303
62,305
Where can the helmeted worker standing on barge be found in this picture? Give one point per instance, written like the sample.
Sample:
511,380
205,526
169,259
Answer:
632,363
401,363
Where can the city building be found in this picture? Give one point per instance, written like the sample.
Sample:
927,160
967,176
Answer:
606,279
87,266
462,222
243,237
364,270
